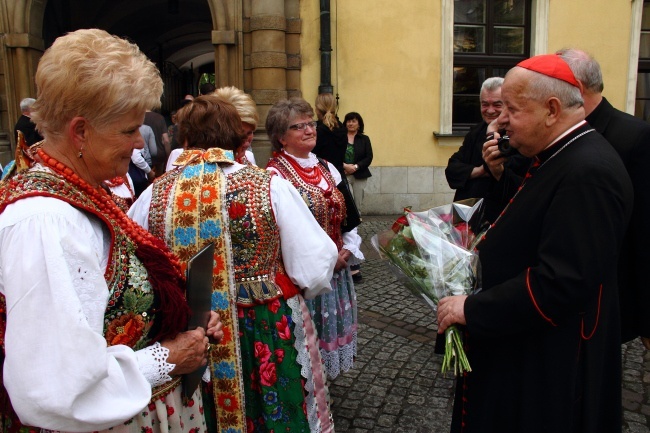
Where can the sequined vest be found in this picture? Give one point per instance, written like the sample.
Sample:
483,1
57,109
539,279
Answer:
259,274
327,206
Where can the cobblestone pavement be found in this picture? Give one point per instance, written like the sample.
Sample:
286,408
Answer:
396,385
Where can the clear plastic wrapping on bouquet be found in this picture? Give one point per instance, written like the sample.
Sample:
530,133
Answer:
432,252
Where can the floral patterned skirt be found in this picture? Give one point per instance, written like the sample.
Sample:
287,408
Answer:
282,391
335,316
165,415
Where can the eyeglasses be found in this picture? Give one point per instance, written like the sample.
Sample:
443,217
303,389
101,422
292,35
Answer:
303,126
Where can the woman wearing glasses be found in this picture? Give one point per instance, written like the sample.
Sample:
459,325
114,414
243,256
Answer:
292,132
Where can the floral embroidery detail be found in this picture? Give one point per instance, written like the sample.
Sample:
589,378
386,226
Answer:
279,355
209,194
219,264
224,370
268,375
236,210
185,235
227,335
219,301
210,229
228,402
271,398
276,414
138,276
284,332
186,202
262,351
126,329
274,306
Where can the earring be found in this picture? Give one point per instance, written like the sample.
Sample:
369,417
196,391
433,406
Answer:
80,155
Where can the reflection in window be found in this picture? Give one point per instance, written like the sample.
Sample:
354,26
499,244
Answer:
490,37
469,39
642,103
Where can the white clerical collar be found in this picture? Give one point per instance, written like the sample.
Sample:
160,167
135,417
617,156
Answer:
567,132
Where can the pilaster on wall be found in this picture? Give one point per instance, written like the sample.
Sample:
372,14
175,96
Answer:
227,40
273,66
6,153
21,46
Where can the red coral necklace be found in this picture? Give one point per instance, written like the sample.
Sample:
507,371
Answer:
312,175
107,206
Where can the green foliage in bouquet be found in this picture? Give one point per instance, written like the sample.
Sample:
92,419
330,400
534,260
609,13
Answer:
432,254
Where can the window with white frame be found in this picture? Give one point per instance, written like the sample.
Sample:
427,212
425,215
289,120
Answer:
489,38
642,104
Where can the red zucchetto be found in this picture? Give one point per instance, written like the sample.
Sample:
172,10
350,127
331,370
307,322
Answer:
550,65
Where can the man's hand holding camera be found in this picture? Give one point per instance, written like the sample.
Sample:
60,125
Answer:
492,155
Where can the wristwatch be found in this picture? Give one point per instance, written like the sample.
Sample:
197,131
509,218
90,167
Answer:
356,166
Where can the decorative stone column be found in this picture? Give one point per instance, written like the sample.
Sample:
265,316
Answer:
21,47
268,64
227,41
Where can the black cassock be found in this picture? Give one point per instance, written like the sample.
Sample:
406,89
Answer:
543,336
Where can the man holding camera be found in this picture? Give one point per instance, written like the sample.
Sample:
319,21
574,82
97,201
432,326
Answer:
542,337
470,175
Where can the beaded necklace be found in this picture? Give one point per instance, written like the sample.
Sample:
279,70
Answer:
312,176
107,206
116,181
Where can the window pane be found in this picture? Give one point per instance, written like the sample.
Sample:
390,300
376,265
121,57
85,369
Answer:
509,11
469,39
642,106
467,87
469,11
467,110
508,40
468,80
644,45
645,17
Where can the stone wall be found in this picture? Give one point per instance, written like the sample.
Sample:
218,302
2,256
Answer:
390,189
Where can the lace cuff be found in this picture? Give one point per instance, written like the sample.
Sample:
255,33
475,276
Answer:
153,364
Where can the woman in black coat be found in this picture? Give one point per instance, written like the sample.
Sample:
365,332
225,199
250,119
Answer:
358,156
330,133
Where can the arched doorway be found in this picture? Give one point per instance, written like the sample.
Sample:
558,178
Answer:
175,34
250,44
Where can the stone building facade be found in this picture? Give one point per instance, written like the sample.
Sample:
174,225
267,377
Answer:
393,62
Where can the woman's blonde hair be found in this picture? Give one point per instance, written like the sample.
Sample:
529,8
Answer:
95,75
326,110
244,104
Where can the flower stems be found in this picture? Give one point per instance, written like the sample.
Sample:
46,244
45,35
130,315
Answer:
454,353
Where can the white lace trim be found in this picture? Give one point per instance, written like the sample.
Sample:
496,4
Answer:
303,360
341,360
309,162
153,364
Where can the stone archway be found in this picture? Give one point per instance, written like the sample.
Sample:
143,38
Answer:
254,44
21,46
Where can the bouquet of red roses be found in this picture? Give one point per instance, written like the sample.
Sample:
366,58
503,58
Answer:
433,254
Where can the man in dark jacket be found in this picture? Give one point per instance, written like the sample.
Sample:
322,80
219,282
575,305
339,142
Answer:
630,137
25,124
468,173
542,337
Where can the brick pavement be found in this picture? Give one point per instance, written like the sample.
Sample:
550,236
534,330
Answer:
396,385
